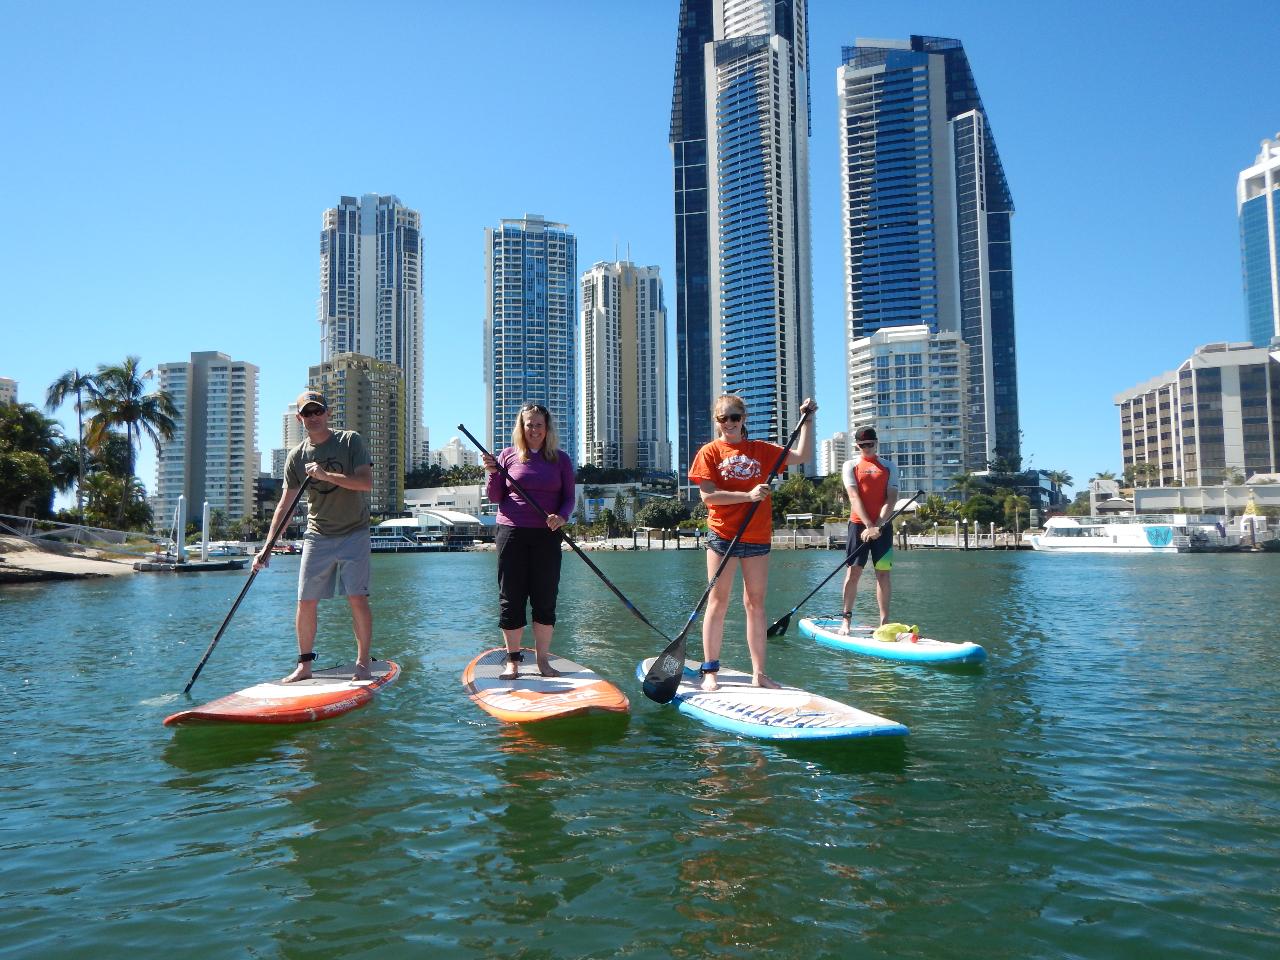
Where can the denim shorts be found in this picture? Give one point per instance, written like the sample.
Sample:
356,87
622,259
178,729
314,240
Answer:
742,550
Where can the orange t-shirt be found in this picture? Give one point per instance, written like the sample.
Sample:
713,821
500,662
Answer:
738,468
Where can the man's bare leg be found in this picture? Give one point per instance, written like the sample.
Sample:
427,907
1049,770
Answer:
362,625
304,623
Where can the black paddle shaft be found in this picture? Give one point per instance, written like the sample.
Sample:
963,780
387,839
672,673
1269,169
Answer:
663,678
567,539
247,584
780,627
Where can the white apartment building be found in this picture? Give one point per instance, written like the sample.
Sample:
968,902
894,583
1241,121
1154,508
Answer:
910,384
834,452
622,333
8,390
371,294
456,454
213,454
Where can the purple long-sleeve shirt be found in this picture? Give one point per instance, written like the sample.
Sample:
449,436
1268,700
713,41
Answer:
550,484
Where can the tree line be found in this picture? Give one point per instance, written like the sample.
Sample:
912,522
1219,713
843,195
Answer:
114,411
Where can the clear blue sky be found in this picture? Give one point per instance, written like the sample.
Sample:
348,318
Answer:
167,165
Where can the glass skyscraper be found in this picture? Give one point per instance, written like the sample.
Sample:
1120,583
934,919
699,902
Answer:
530,324
371,294
927,223
739,134
1257,193
693,305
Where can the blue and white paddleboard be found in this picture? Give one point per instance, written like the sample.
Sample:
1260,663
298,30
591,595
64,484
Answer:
859,640
786,714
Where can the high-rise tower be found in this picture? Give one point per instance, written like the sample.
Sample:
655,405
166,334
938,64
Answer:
624,368
1257,198
213,453
531,284
371,293
743,299
927,215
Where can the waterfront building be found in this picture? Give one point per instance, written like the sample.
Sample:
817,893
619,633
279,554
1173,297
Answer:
292,432
213,453
456,454
531,274
1215,419
835,451
909,383
927,213
371,294
740,138
367,395
8,390
278,457
1257,197
623,368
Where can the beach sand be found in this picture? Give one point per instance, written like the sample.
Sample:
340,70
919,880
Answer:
25,562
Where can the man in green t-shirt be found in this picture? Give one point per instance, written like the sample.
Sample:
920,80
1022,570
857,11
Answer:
335,550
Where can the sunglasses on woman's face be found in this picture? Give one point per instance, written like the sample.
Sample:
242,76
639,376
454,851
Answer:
729,418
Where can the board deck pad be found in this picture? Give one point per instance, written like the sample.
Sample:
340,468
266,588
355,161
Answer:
531,696
860,640
786,714
330,692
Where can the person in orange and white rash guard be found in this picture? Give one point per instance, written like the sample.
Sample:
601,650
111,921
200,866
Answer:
730,472
871,483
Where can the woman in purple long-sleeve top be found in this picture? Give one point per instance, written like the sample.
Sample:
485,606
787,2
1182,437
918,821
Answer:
528,542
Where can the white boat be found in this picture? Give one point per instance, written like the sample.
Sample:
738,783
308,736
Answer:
1129,533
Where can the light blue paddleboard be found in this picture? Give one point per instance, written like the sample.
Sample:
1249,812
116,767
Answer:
786,714
860,640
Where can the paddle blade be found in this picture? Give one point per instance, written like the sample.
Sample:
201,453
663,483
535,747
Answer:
663,679
779,628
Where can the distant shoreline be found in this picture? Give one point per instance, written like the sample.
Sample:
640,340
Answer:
24,562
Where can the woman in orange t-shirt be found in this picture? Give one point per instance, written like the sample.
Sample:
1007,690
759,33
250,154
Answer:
730,472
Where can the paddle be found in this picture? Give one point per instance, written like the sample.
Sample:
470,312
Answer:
663,679
779,628
247,584
564,533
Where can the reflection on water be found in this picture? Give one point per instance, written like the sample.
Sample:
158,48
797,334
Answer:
1108,785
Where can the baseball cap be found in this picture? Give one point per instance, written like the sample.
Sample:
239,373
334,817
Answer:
865,433
308,397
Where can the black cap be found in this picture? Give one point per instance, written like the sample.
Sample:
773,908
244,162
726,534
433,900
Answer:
865,433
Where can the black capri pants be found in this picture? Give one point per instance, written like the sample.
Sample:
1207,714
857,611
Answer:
528,573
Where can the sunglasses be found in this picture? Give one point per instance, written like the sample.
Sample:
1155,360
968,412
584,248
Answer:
729,418
313,411
866,444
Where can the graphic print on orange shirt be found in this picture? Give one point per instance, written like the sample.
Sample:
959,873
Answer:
738,468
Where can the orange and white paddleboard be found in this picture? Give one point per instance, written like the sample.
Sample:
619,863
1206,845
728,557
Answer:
328,693
532,696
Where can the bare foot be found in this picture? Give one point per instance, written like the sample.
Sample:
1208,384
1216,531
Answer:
545,668
301,672
844,628
362,672
709,682
510,671
766,681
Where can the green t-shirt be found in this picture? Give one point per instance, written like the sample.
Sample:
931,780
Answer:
332,511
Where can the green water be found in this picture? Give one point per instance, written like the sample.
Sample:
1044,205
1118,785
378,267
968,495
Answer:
1108,785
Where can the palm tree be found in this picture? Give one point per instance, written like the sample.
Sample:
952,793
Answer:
1060,477
73,381
120,400
967,483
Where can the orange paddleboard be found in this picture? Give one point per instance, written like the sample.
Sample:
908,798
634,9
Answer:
532,696
329,693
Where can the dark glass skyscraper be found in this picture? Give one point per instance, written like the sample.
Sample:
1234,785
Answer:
693,304
739,135
928,210
1258,206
